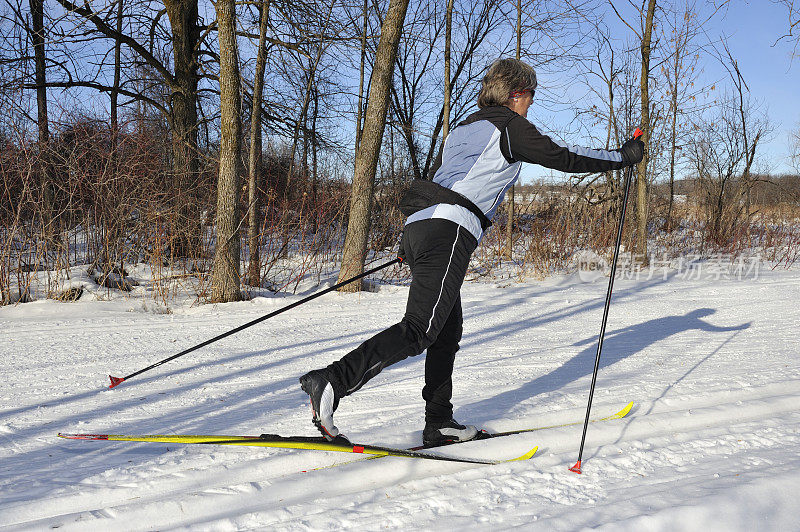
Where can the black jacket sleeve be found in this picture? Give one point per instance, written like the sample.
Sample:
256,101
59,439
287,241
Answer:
521,141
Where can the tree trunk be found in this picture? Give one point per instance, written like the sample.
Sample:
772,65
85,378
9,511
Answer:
448,89
673,139
361,68
225,277
313,65
37,37
117,76
355,245
314,160
681,40
110,224
612,176
749,150
301,120
413,152
750,156
641,175
510,207
254,161
673,147
183,17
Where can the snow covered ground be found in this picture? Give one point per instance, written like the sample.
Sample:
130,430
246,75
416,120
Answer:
712,444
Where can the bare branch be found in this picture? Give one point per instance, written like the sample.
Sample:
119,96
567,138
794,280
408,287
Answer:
111,33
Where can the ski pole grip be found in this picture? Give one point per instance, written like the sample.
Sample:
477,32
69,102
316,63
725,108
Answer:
638,133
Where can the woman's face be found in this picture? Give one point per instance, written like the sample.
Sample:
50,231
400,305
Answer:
520,104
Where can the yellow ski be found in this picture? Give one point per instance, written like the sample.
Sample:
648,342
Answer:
619,415
339,444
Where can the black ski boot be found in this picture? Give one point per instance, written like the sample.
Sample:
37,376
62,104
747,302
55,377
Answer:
323,402
450,431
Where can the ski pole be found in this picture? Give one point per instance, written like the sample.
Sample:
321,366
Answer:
577,467
118,380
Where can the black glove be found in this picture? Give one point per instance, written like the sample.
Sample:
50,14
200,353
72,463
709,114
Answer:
632,151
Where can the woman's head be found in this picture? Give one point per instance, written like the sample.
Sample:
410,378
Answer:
505,80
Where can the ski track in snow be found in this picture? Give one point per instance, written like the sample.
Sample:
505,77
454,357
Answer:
713,442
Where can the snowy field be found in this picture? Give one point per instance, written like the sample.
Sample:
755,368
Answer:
713,442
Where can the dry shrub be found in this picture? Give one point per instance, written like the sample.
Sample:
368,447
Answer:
113,205
301,224
548,230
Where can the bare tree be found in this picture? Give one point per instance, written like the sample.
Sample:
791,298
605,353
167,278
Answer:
608,74
117,75
723,154
310,73
681,72
641,176
183,16
510,207
181,109
37,36
448,88
253,276
225,279
416,97
793,24
361,68
554,28
749,137
355,246
416,58
644,34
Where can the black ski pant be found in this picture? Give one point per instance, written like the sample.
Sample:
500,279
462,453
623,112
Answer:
438,252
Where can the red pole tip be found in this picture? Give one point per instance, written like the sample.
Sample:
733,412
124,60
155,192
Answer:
638,133
115,380
576,468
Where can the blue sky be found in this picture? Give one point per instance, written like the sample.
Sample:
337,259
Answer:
752,29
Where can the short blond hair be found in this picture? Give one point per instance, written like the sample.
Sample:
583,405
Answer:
503,77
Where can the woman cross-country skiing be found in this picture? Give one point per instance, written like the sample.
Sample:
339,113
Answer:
479,162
